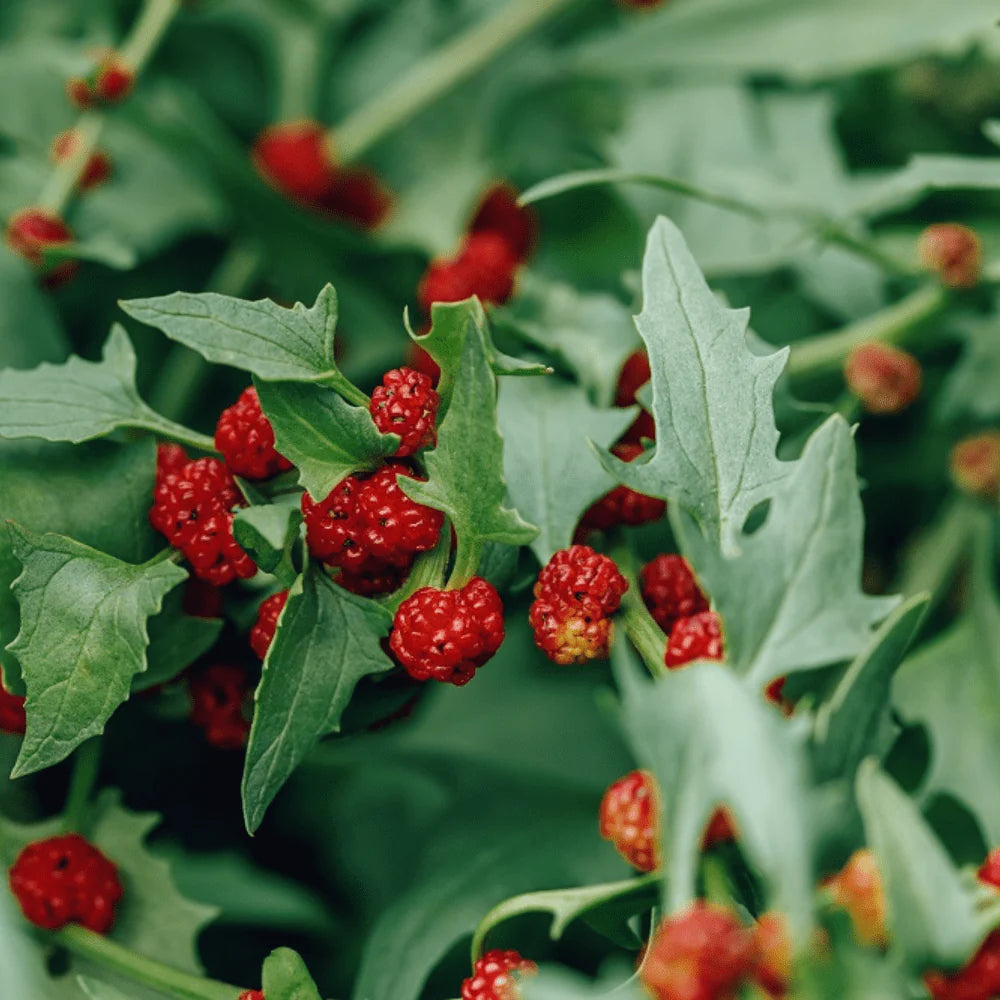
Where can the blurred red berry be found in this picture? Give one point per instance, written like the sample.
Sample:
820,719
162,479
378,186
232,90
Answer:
953,252
12,717
220,697
670,590
357,196
498,212
262,633
295,158
886,379
698,637
975,466
857,887
485,266
629,818
33,231
98,167
495,976
622,505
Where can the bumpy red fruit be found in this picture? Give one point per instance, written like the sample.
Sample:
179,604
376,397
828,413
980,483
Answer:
406,404
629,819
367,523
975,465
703,953
446,635
670,590
251,995
294,158
953,252
857,887
884,378
485,266
245,438
495,976
622,505
193,507
575,595
698,637
170,458
33,231
66,880
98,167
498,212
219,703
12,717
262,633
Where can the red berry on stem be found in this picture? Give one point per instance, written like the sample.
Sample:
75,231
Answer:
114,80
975,466
33,231
294,157
98,168
498,212
245,438
953,252
406,404
622,505
12,717
670,590
219,700
630,819
495,976
65,880
485,266
886,379
698,637
446,635
251,995
262,633
703,953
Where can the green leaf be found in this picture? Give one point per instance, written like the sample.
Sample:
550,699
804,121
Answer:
268,340
96,990
553,475
285,977
930,910
268,533
856,721
710,741
712,398
327,640
83,637
791,598
558,983
465,470
79,400
970,389
176,640
324,436
627,898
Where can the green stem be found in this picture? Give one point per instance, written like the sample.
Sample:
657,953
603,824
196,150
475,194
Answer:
439,73
300,57
86,764
897,324
147,32
467,557
341,384
65,176
428,571
646,635
145,971
834,233
176,432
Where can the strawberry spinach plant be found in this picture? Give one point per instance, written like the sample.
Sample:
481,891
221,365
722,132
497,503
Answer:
499,499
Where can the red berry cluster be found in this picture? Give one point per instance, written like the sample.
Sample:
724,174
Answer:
98,166
368,526
622,505
66,880
110,82
495,976
262,633
12,717
219,704
446,635
245,438
406,404
698,637
575,595
501,236
670,590
295,158
192,507
979,978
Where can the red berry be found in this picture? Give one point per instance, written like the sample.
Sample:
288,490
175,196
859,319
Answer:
114,80
170,458
418,358
262,632
219,701
630,819
857,887
485,266
374,581
885,379
446,635
698,637
12,717
954,252
720,830
245,438
251,995
978,979
670,590
367,523
66,880
359,197
406,404
575,595
975,466
295,158
78,91
498,212
775,694
622,505
495,976
774,945
634,375
193,507
98,167
703,953
33,231
989,871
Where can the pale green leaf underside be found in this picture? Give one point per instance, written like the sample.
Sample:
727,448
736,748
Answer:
285,977
327,640
83,638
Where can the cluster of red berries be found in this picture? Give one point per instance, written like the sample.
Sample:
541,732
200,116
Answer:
245,439
12,717
630,819
193,505
576,594
406,404
66,880
447,635
297,159
495,976
500,238
262,633
110,81
220,704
